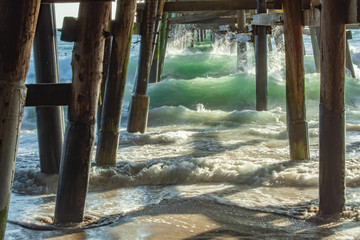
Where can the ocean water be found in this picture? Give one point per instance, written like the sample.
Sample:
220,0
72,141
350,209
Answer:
205,145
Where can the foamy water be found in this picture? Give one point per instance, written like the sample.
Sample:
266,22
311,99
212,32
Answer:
205,143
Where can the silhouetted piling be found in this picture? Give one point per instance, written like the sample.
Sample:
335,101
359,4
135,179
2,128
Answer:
295,86
332,108
261,61
16,38
315,47
108,139
139,107
164,33
154,70
241,41
87,68
105,73
50,120
349,62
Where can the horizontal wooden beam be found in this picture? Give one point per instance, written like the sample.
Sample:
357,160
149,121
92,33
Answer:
48,94
74,1
193,6
196,18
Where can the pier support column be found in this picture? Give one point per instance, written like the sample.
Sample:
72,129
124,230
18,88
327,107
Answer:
332,108
87,68
261,61
154,69
349,62
140,101
315,47
295,86
164,33
241,41
105,73
50,120
17,31
201,35
108,139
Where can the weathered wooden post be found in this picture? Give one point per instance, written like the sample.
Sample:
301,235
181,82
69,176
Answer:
18,23
87,64
315,47
295,86
261,61
192,38
139,108
108,139
332,108
154,69
198,35
241,41
349,62
164,33
50,120
201,35
269,44
106,63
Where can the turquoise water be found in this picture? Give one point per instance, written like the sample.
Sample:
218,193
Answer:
203,133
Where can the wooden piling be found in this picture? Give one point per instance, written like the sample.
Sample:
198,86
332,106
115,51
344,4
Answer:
108,139
332,108
241,41
164,33
139,107
154,69
50,120
315,47
192,38
295,86
201,35
80,133
270,47
105,73
17,31
349,62
261,61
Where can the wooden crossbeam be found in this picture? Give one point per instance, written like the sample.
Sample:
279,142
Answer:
192,6
48,94
74,1
199,18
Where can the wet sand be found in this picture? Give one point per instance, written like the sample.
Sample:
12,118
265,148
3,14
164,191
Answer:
198,218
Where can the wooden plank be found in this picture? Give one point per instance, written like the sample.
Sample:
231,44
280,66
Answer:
48,94
191,6
74,1
188,19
